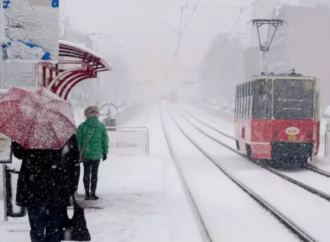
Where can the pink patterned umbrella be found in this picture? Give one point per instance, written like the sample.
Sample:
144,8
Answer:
36,118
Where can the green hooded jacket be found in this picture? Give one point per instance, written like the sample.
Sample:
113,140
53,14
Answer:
98,144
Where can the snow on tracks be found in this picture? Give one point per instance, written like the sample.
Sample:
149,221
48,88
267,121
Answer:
305,209
229,214
310,181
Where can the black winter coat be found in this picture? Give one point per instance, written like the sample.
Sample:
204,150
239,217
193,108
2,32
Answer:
47,176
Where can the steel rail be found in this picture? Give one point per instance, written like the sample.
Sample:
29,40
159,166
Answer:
198,217
275,172
303,235
318,171
201,121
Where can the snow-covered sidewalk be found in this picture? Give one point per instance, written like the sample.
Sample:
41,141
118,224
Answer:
141,199
132,198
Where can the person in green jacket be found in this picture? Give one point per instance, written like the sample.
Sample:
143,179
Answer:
93,140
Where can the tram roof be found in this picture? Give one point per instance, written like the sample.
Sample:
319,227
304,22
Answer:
283,77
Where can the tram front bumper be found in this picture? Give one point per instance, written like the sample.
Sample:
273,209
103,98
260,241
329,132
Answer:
291,151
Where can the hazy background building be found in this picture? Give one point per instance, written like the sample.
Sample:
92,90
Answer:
302,44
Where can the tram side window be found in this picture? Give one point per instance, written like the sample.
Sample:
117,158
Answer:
237,105
236,97
241,103
259,99
269,101
244,101
250,100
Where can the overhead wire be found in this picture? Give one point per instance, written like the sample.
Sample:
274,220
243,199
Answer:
232,29
201,6
161,3
218,23
191,16
186,4
281,6
269,15
155,16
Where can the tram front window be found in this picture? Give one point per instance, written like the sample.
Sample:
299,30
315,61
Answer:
293,99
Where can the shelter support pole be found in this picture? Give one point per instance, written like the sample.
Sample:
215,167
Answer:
326,141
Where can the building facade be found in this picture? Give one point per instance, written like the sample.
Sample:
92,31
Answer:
302,44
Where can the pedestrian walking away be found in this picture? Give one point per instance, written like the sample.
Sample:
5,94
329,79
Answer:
93,142
43,129
45,183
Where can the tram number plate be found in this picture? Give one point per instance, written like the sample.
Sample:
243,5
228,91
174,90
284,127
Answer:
292,138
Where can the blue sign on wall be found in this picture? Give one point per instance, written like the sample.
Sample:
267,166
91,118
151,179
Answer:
5,4
34,36
56,3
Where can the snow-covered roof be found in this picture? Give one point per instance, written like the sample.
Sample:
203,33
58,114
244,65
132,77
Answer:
3,91
79,52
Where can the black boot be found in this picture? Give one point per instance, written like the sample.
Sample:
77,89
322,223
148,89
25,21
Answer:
94,197
87,197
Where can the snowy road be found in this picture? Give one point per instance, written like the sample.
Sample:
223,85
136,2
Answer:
307,210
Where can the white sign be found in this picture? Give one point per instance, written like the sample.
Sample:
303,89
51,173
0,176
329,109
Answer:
45,3
5,149
292,131
30,29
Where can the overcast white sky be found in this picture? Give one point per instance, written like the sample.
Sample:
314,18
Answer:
146,31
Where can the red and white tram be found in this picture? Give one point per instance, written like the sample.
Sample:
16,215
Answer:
277,119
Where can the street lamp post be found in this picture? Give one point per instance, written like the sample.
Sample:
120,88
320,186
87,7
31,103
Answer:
97,49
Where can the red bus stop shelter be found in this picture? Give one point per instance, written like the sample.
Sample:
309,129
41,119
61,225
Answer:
76,63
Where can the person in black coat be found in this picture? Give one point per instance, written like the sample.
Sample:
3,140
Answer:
46,181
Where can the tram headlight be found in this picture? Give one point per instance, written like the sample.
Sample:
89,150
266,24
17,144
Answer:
309,135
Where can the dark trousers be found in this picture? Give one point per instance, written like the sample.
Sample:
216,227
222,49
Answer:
91,169
44,223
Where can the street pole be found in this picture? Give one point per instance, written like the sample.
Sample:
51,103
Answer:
5,217
260,62
116,84
95,47
96,81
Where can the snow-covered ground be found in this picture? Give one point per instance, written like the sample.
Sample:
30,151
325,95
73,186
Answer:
229,213
141,199
310,212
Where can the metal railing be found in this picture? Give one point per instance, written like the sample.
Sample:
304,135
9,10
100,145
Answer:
120,129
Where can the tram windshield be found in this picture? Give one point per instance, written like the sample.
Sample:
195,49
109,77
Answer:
293,99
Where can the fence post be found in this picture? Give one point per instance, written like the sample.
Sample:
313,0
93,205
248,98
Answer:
147,144
326,144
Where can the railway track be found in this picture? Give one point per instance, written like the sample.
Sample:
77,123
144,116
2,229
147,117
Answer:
303,185
287,222
309,167
318,171
205,234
